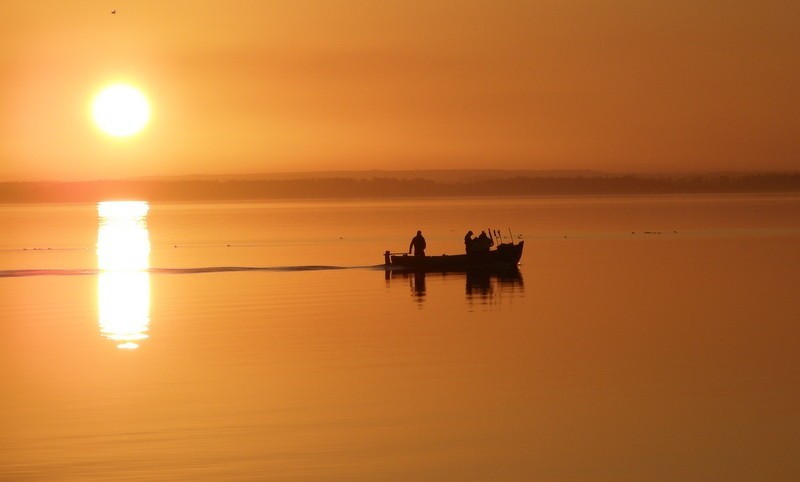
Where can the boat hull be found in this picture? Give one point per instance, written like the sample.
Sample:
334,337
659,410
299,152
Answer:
505,256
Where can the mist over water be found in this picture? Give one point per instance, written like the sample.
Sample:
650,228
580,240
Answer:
643,338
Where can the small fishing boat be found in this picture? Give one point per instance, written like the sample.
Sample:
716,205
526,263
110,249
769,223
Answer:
503,256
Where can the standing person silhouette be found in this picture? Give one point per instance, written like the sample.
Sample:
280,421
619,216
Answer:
419,245
468,242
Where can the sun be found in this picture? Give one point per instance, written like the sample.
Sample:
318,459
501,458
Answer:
121,110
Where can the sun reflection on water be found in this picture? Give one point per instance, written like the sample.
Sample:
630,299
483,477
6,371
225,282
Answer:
123,284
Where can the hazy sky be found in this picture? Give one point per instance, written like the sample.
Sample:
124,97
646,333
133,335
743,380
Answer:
258,86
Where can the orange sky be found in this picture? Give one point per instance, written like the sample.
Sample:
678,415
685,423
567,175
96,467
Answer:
261,86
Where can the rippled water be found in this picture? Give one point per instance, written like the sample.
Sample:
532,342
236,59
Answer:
644,338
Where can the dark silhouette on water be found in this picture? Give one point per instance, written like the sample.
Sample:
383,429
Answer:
482,244
480,283
418,286
419,244
504,255
468,240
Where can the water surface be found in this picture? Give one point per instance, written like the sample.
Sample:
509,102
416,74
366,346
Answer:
644,338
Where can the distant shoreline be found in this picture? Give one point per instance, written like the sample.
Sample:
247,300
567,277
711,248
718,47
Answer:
391,187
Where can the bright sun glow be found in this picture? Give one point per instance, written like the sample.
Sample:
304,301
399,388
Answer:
121,110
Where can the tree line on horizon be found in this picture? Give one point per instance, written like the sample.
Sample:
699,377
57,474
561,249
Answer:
346,188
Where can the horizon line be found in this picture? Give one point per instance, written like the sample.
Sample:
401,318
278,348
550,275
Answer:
355,173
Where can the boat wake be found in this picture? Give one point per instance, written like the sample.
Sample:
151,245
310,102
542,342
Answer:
18,273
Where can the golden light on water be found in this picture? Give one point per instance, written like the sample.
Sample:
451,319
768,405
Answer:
123,284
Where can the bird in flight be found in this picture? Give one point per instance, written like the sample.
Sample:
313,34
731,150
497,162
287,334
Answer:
113,12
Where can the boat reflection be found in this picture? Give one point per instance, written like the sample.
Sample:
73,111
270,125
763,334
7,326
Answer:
418,286
479,284
123,282
483,284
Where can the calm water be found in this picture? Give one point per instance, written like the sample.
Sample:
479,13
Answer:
645,338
